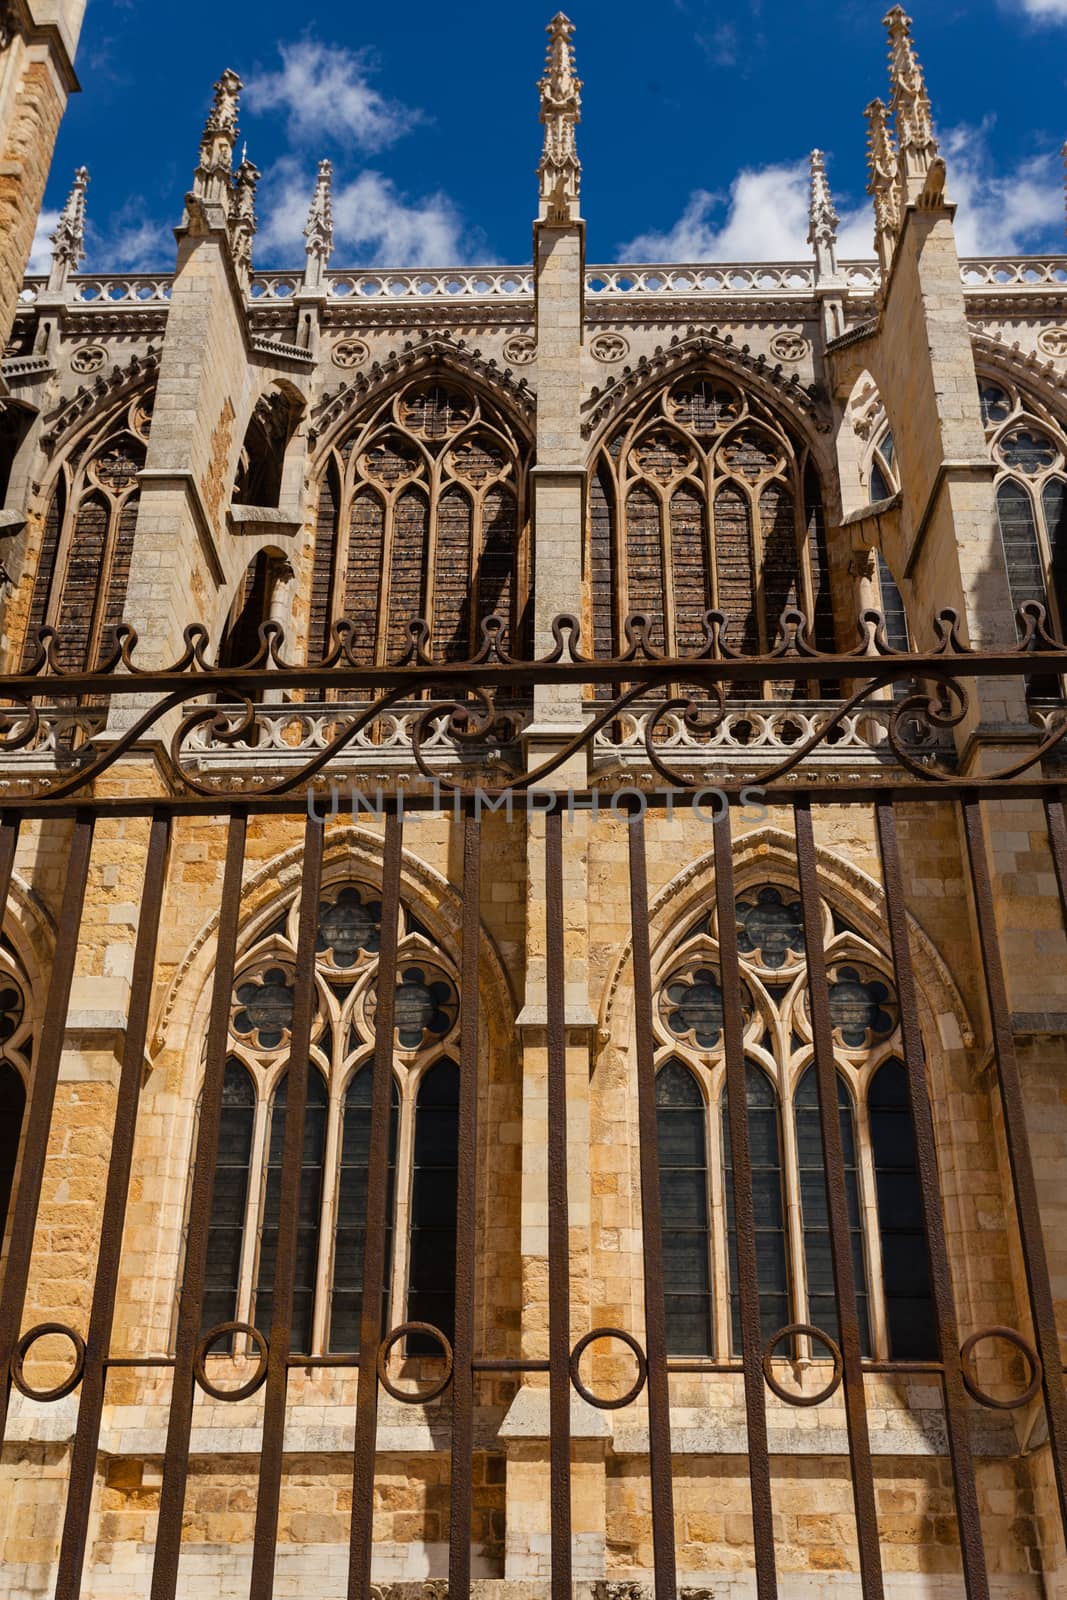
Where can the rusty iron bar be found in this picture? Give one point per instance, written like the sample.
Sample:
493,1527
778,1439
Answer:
361,1542
461,1493
179,1422
837,1211
265,1535
957,1421
559,1287
659,1399
105,1288
759,1466
858,792
42,1095
1028,1210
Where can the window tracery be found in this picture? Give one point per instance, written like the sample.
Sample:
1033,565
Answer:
83,568
423,1157
1030,452
422,513
702,500
785,1136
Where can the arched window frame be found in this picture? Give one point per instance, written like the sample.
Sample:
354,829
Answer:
705,474
341,473
17,1018
1005,409
777,1037
269,945
76,481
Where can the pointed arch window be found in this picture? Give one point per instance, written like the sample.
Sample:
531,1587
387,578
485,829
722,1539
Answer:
703,499
83,566
883,1200
1030,453
422,1157
681,1131
422,513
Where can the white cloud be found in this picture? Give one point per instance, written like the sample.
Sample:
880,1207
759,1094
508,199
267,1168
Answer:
374,224
133,241
764,217
1041,10
325,94
41,254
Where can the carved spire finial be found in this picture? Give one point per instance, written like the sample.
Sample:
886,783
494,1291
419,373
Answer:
822,218
910,105
213,178
319,231
243,218
68,241
560,171
883,181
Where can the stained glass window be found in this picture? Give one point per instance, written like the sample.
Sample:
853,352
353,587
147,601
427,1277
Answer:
12,1109
683,1178
432,1284
765,1152
822,1303
309,1205
905,1263
229,1197
350,1232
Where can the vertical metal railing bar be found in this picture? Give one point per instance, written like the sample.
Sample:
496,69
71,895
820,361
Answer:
659,1398
462,1466
190,1310
968,1516
837,1210
370,1329
42,1100
1031,1233
265,1536
759,1467
105,1288
559,1290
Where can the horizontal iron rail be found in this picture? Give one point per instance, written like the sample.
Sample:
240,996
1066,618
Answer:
420,676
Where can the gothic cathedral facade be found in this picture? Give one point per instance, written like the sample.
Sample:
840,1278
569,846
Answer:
533,987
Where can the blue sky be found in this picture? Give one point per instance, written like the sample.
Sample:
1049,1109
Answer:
697,118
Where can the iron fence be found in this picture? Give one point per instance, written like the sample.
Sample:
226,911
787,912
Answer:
150,717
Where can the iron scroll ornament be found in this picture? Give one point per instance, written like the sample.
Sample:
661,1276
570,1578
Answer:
472,702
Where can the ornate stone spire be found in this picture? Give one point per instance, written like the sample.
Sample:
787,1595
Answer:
883,182
68,241
916,145
209,201
822,218
243,218
560,171
319,230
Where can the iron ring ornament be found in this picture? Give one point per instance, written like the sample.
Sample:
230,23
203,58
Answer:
635,1388
22,1350
466,710
393,1337
796,1330
1026,1349
244,1390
